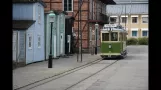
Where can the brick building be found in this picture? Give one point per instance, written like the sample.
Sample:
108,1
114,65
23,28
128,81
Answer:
93,11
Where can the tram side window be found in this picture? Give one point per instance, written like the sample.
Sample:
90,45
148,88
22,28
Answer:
120,38
114,36
123,37
105,36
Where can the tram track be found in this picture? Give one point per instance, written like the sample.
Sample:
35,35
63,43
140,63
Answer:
90,75
56,76
49,79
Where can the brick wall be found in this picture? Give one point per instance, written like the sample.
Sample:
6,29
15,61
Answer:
57,5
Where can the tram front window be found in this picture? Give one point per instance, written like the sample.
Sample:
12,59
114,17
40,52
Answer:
114,36
105,36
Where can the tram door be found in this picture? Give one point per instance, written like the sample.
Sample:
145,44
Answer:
121,39
124,42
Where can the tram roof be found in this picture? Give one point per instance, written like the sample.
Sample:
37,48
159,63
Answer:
113,27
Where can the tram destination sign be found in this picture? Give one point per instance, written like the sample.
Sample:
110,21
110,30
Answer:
110,25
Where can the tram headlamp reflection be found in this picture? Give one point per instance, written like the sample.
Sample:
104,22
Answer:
109,46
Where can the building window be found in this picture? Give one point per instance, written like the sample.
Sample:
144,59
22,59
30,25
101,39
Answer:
134,19
113,20
134,33
68,5
30,42
39,14
124,19
39,41
144,19
144,33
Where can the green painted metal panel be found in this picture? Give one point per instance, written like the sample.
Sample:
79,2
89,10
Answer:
116,47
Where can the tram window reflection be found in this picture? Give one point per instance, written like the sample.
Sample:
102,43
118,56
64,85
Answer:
114,36
105,36
120,38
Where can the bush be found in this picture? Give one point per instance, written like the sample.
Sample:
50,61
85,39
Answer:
143,41
132,41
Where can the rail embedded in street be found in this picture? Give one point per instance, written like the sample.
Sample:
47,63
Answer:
90,75
54,77
47,80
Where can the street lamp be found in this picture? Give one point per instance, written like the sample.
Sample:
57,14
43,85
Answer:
51,18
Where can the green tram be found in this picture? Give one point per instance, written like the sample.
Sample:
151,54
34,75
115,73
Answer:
113,41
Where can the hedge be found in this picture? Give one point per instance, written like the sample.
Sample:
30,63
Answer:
137,41
132,41
143,41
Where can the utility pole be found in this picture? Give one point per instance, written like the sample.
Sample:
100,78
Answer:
125,16
78,32
120,15
50,5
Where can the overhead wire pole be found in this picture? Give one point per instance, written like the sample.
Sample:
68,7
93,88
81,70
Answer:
130,7
50,5
120,15
125,17
78,32
129,13
81,27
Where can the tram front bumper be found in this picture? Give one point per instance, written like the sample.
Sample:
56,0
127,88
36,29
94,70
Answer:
104,55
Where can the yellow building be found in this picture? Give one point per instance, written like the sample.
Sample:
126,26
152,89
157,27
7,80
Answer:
135,16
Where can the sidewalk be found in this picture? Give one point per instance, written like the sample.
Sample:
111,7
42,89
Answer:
37,71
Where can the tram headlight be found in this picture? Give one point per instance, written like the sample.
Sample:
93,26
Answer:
109,46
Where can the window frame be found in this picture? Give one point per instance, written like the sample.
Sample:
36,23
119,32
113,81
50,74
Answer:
111,36
125,37
144,29
108,36
134,16
132,20
146,33
135,29
136,33
39,42
67,6
126,19
142,20
114,17
120,36
30,42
